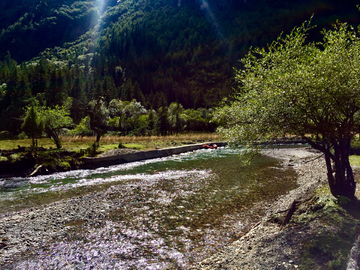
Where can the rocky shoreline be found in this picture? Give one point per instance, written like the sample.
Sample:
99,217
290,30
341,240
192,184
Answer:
265,246
268,245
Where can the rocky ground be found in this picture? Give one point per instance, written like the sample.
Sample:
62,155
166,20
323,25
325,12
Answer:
266,246
118,152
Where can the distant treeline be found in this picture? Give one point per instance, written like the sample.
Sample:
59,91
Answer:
108,102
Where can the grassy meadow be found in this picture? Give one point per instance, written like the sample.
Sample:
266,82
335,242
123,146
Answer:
112,142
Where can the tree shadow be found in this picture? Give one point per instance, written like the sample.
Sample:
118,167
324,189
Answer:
353,208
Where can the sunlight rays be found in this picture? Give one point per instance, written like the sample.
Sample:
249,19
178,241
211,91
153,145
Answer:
206,7
100,4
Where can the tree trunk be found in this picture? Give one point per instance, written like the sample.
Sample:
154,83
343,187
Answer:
52,134
340,174
33,141
57,141
98,134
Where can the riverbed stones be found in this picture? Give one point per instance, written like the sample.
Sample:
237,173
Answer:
273,247
264,247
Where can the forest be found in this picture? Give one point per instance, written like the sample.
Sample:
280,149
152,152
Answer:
137,66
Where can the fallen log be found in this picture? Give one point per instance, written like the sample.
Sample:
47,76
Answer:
35,171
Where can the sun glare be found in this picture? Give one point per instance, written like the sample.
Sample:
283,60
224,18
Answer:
206,7
101,6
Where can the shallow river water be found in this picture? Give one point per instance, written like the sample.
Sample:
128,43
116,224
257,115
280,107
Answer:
166,213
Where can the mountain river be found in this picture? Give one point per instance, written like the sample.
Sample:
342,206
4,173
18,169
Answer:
165,213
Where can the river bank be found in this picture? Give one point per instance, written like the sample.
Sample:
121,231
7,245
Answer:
319,236
264,247
43,161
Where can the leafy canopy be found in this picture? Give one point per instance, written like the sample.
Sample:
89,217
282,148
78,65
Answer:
310,89
50,120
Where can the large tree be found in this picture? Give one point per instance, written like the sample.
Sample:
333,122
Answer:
51,120
308,89
55,119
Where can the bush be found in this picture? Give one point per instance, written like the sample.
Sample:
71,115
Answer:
121,145
82,129
92,150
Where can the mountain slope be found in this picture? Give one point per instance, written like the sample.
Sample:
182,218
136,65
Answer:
29,27
155,51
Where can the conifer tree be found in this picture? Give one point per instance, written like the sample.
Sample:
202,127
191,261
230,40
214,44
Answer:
31,125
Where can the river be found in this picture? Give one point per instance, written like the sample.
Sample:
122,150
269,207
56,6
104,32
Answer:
165,213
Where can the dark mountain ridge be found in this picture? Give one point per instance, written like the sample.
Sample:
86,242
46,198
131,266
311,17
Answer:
154,51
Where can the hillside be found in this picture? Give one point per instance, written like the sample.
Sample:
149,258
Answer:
155,51
29,27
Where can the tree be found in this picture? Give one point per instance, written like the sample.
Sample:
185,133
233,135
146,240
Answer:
152,117
173,116
99,117
133,111
117,112
54,120
82,129
308,89
31,125
50,120
162,121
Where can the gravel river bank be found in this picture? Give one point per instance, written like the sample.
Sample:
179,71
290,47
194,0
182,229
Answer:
268,245
85,232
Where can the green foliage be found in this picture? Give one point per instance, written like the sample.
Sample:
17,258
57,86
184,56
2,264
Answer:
121,145
2,91
133,111
99,117
198,120
82,129
32,125
354,160
176,123
157,52
65,165
294,88
50,120
302,88
92,150
55,119
333,242
29,27
14,157
162,122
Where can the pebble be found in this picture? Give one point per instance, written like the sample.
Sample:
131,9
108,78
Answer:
262,246
271,249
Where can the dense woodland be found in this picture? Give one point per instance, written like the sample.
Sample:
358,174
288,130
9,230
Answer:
163,64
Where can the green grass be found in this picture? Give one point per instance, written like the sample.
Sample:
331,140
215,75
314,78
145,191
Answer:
107,147
355,160
112,142
329,246
135,146
12,144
